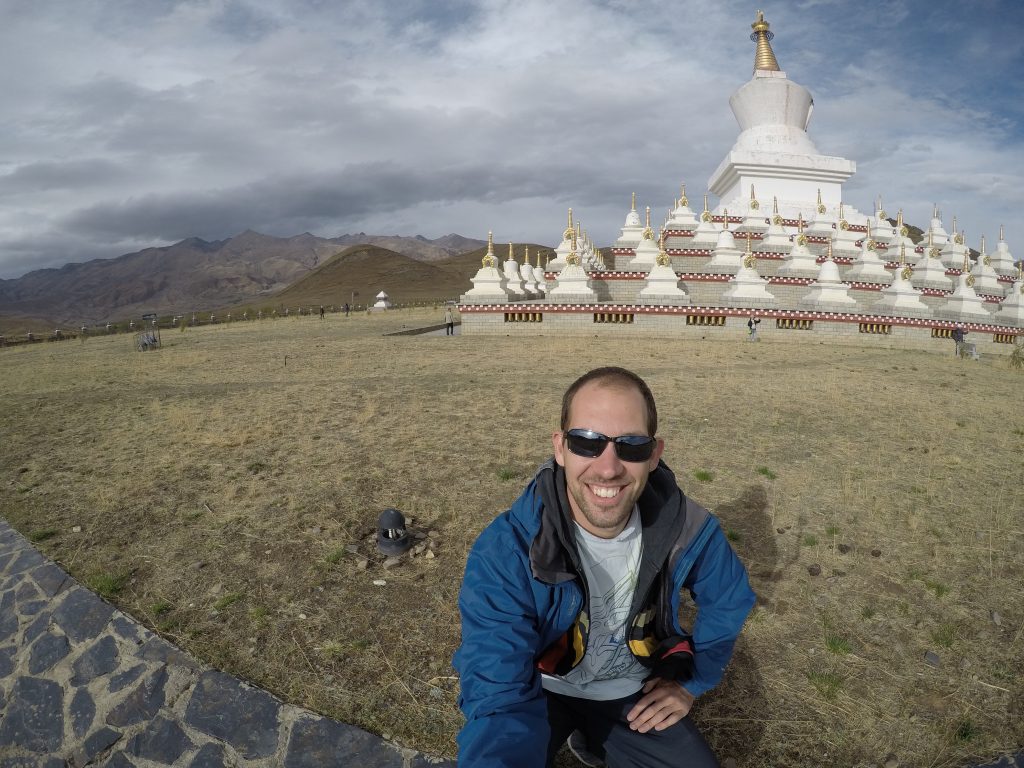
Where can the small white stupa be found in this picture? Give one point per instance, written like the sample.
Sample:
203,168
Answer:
776,239
632,230
800,262
662,285
706,234
939,235
564,247
823,222
753,218
867,267
952,253
646,253
845,242
901,298
964,304
829,292
682,217
539,277
489,283
986,281
902,240
929,271
513,281
383,301
881,231
1011,311
573,285
726,257
747,288
526,274
1002,260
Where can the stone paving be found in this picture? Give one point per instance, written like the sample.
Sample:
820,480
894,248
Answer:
83,684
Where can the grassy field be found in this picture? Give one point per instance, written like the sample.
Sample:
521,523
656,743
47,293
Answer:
226,486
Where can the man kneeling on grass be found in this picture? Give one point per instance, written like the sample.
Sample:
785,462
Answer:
570,600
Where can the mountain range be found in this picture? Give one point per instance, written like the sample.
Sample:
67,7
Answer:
195,274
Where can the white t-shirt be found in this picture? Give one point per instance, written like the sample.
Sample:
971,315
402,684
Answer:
610,566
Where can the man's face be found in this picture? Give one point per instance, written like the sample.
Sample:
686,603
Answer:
604,489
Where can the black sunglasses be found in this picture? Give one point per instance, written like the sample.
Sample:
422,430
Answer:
589,444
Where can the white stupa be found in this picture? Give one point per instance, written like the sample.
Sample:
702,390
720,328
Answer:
682,217
1002,260
573,286
526,273
829,292
800,262
632,230
867,267
845,241
929,271
952,253
881,231
1011,310
773,150
939,235
489,283
776,239
901,298
565,247
965,303
901,239
706,234
747,288
646,253
986,281
662,286
383,301
726,258
823,222
513,281
540,277
754,219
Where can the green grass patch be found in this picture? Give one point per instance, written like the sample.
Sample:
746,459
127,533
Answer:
160,607
939,588
832,530
704,476
733,535
868,612
838,645
335,556
229,599
766,473
828,684
944,635
259,613
42,535
107,585
505,474
965,731
810,540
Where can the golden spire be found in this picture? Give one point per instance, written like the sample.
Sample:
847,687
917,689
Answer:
880,212
764,57
776,219
830,249
843,223
526,254
662,259
538,258
748,259
511,252
967,261
569,229
648,232
634,202
725,220
706,216
821,205
903,253
488,259
1001,233
902,230
572,258
754,205
931,250
682,200
984,257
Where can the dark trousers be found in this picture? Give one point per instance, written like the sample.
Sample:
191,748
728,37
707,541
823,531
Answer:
450,329
608,735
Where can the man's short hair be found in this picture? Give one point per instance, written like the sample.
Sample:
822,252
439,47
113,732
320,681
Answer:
613,376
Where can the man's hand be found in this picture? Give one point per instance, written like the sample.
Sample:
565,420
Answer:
664,704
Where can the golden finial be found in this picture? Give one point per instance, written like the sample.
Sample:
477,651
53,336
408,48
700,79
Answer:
967,261
801,238
572,258
725,220
899,224
683,202
526,254
958,237
764,57
706,216
748,259
903,253
488,259
931,250
634,202
511,252
538,259
1020,272
906,272
648,232
829,249
880,211
821,205
776,218
843,223
662,259
754,205
984,257
567,234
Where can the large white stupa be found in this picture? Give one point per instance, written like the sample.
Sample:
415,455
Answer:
813,264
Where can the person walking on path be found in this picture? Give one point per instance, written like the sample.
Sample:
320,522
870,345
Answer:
449,321
570,600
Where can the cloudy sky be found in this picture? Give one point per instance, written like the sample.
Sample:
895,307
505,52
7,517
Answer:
130,123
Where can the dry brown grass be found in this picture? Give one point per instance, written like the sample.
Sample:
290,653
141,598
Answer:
214,451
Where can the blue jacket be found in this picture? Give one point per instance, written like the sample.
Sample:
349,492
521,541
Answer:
524,603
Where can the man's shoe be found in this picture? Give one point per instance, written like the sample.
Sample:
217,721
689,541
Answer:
578,746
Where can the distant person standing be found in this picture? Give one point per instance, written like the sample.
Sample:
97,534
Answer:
449,322
752,324
958,341
346,309
321,311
